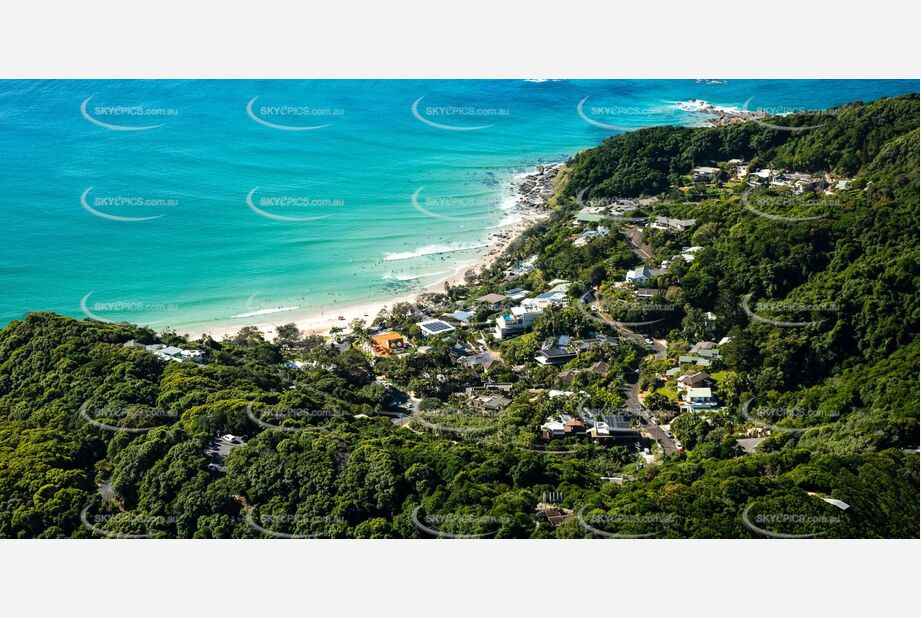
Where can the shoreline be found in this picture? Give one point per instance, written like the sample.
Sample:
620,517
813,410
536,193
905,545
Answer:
529,208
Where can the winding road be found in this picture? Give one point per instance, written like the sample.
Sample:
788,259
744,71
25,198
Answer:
631,390
598,316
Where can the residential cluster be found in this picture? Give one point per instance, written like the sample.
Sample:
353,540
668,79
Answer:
169,353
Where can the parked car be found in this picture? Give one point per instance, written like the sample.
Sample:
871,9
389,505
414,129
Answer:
230,438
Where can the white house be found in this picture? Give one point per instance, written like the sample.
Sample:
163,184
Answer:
518,321
517,294
705,174
669,223
547,299
169,353
698,399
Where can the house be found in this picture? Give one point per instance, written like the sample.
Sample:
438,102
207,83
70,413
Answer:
502,387
782,180
705,174
613,428
698,399
640,274
674,371
387,344
563,425
488,365
807,182
495,403
586,236
567,376
583,345
737,167
519,320
463,317
517,294
431,328
461,348
761,176
574,427
701,345
694,380
546,300
689,253
623,204
555,516
710,355
553,428
169,352
600,368
522,268
560,350
645,292
675,225
554,356
475,360
493,300
173,353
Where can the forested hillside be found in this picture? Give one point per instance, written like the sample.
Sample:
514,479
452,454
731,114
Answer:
843,264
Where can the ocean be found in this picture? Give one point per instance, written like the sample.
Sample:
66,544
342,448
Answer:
182,204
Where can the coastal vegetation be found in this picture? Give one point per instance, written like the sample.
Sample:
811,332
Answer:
332,440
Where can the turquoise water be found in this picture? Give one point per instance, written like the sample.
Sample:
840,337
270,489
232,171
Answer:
147,211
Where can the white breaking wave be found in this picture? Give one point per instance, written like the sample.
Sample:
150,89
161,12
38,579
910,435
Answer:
699,105
431,250
264,312
507,220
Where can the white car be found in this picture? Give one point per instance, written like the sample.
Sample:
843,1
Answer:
230,438
648,341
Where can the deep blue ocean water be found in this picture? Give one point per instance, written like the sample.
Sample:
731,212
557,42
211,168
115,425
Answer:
182,203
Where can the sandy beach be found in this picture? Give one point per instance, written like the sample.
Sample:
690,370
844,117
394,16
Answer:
321,322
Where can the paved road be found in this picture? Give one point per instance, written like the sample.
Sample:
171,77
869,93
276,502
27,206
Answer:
631,390
656,347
